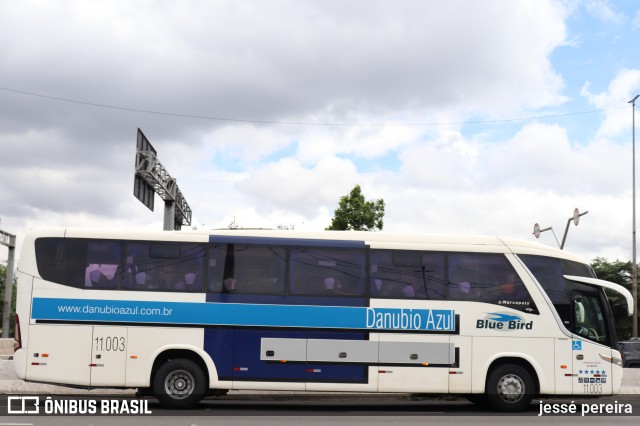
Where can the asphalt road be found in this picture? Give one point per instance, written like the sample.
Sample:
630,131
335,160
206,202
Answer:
329,411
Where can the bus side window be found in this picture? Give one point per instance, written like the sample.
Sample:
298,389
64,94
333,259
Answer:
164,267
103,259
260,270
189,269
407,274
475,276
49,257
74,262
327,271
465,282
215,265
246,269
134,277
79,262
488,278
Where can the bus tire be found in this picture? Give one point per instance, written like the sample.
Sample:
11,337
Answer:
179,383
510,388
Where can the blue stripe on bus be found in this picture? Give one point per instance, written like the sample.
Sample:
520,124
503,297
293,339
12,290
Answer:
245,315
237,239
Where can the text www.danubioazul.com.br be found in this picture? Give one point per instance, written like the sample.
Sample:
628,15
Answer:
115,310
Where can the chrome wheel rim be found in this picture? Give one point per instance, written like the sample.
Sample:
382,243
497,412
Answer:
511,388
179,384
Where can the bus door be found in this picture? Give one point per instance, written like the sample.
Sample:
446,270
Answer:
590,345
108,356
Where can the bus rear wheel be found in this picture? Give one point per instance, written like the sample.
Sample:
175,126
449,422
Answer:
510,388
179,383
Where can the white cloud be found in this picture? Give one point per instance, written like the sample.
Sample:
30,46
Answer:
539,157
603,10
446,162
635,23
364,142
245,145
288,185
621,90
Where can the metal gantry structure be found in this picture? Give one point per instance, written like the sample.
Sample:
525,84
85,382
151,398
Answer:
9,240
152,178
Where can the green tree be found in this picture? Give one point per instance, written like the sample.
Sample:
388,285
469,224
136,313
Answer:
620,273
3,278
357,214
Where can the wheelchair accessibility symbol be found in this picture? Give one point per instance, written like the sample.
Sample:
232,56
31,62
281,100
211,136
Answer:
577,345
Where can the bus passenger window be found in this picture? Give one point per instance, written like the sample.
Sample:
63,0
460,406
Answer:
190,269
246,269
164,267
402,286
488,278
327,272
103,259
49,258
407,275
215,262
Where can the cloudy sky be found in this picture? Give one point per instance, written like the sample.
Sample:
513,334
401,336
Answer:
464,116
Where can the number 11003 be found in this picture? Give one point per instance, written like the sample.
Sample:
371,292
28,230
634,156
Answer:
110,344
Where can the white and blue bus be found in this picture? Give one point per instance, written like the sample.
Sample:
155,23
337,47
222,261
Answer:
182,315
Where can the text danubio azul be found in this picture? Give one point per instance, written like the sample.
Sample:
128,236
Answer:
411,319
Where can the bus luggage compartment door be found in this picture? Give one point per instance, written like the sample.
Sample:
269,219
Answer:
410,363
108,356
58,354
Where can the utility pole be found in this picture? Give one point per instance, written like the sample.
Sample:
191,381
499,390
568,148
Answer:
634,267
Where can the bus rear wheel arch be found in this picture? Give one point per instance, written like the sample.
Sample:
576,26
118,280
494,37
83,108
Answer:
179,382
511,385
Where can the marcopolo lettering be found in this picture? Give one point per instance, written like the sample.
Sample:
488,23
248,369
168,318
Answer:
503,322
410,319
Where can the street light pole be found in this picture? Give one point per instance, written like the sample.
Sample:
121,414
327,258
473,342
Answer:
634,267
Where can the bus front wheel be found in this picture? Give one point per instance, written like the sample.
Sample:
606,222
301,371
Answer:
179,383
510,388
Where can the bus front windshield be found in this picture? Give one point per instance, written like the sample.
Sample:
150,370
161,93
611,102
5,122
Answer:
580,307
